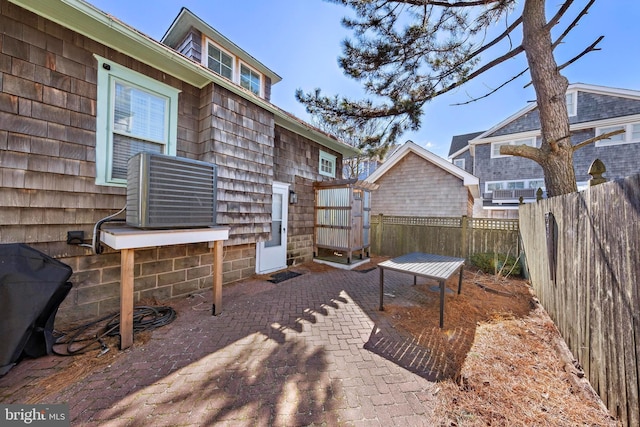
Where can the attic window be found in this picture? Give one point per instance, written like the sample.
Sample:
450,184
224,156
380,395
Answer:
233,68
219,61
250,79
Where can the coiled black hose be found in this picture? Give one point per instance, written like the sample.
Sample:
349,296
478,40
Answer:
81,339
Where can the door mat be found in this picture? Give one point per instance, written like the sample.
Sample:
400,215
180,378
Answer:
367,270
285,275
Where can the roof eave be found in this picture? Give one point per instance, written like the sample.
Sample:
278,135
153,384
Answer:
299,127
470,181
187,19
97,25
91,22
457,153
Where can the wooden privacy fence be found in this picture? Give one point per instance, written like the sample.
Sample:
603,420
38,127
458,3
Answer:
459,237
582,250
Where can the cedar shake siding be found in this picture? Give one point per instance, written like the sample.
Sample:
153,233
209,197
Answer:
596,106
48,96
296,162
47,164
191,46
590,107
414,187
238,137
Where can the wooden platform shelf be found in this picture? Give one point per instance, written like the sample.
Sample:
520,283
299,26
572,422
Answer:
128,239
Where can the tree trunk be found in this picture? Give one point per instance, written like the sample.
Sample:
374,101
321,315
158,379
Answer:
556,152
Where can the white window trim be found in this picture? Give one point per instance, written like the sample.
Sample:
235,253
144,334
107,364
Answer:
627,136
237,64
511,142
507,181
107,72
461,161
234,60
329,158
239,77
574,110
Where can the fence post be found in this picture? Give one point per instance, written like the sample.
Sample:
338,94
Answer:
380,233
464,241
596,170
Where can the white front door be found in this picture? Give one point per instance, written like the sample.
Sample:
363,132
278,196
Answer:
272,255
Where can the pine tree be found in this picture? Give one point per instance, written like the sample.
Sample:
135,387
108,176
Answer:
407,52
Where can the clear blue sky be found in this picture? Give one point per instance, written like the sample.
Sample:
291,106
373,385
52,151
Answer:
301,39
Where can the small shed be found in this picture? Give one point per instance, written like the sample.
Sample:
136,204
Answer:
415,182
342,219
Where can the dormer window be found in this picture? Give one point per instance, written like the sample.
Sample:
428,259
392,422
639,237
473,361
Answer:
231,67
219,61
250,79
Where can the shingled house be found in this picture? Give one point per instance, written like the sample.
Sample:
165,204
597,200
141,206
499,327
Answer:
593,110
415,182
68,70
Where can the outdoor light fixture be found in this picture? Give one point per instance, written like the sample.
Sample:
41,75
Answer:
293,197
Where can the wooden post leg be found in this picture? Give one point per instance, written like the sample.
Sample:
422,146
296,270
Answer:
460,280
217,278
126,298
442,303
381,288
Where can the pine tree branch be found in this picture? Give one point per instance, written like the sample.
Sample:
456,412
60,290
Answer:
498,39
483,48
556,18
583,12
449,4
494,90
597,138
590,48
479,71
526,151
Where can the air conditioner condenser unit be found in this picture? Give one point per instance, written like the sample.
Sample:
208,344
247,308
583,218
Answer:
170,192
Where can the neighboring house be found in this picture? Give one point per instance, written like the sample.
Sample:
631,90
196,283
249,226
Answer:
80,92
359,168
593,110
415,182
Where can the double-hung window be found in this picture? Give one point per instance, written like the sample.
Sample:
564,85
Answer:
135,113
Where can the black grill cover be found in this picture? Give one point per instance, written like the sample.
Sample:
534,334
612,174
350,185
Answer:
32,286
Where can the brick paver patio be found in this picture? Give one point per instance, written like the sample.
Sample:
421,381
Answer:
312,350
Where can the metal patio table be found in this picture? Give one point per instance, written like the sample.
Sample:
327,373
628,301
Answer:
431,266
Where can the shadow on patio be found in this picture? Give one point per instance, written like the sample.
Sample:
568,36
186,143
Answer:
304,351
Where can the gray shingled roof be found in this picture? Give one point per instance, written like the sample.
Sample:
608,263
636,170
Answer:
458,142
